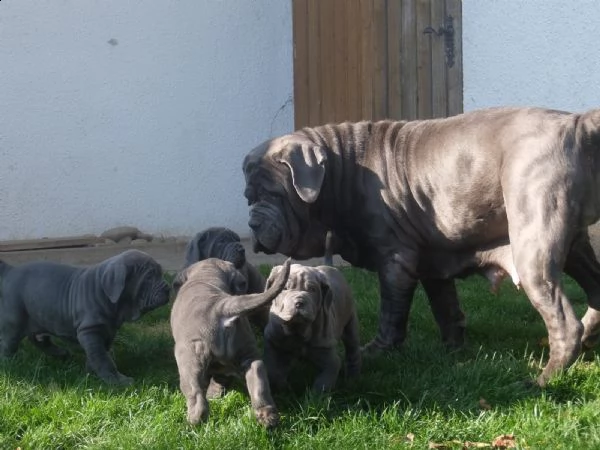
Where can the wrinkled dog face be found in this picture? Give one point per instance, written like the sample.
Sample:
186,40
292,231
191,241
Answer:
298,304
283,178
217,242
152,290
228,249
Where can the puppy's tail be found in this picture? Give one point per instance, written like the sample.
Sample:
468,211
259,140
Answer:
328,258
4,267
236,305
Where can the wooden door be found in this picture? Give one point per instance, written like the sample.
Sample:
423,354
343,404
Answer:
375,59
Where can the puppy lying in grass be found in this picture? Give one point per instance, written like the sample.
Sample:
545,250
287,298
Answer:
213,337
307,320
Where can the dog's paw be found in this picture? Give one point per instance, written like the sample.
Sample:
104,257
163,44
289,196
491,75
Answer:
267,416
197,415
121,380
215,390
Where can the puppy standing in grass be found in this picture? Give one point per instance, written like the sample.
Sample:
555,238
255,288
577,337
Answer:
213,337
87,305
308,319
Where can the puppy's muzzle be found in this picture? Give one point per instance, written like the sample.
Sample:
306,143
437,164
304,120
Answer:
159,296
236,254
294,307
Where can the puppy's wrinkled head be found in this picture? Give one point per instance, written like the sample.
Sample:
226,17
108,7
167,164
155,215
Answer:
134,280
299,303
215,271
216,242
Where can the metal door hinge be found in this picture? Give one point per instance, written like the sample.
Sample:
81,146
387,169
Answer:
448,32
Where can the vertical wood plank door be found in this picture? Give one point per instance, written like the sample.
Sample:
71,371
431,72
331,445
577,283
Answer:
376,59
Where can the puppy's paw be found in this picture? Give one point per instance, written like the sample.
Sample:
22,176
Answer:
267,416
125,380
118,380
215,390
352,371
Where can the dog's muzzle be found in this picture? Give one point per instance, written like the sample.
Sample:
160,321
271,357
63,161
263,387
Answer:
268,227
235,253
159,296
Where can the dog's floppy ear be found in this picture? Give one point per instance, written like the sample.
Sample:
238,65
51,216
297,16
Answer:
307,164
192,252
180,278
324,324
113,280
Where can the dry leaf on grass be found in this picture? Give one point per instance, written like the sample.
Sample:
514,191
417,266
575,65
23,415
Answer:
505,441
469,444
483,404
410,438
448,445
501,442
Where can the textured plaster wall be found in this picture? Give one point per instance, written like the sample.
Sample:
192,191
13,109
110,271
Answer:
126,112
531,52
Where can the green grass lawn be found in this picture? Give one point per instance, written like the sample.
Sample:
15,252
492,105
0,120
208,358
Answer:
417,397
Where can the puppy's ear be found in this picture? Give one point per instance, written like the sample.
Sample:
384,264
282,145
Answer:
179,279
324,323
307,164
193,251
113,280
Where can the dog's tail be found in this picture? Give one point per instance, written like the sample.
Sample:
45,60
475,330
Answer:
328,258
236,305
4,267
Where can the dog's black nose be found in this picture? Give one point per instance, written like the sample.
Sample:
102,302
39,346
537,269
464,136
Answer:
299,303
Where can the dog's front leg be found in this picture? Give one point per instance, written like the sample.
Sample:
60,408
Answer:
396,286
257,382
277,362
328,362
98,360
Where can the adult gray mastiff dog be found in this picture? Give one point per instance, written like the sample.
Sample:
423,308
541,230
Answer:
225,244
213,338
307,319
496,191
86,305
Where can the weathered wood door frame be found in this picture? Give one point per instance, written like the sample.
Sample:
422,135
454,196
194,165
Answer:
375,59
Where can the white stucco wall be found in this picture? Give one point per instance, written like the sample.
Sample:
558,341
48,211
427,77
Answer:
126,112
531,52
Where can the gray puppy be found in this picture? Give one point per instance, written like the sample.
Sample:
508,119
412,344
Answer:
87,305
213,337
308,319
225,244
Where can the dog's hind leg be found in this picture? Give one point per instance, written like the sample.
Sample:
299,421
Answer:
541,230
584,268
192,362
445,307
45,344
11,334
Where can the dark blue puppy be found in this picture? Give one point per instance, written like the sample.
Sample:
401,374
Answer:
87,305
